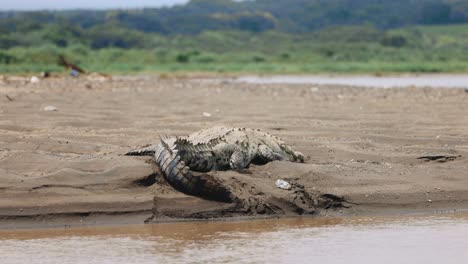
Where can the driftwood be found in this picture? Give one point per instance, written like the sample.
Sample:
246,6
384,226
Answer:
63,62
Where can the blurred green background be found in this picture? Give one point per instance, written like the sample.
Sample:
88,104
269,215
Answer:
263,36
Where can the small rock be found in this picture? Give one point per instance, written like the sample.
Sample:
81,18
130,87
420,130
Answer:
50,108
206,114
74,73
283,185
314,89
429,201
35,79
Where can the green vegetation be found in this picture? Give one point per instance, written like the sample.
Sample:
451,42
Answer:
263,36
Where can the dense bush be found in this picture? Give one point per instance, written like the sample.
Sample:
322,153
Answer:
261,35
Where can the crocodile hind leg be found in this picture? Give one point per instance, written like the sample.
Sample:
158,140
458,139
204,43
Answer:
238,160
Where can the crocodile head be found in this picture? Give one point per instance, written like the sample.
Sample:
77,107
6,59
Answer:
292,154
298,156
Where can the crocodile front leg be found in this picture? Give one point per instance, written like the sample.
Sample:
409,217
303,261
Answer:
266,154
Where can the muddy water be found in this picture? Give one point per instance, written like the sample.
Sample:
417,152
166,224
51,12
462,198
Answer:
425,80
435,239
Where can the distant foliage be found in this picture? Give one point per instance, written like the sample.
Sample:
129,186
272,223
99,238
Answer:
292,16
394,40
183,58
6,58
261,35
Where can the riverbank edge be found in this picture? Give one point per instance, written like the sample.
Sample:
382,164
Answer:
144,216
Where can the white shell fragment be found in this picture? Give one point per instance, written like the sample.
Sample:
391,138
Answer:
34,79
283,185
206,114
50,108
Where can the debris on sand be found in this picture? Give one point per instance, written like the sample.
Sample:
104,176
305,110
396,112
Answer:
98,77
439,158
74,69
34,79
9,98
74,73
282,184
16,79
206,114
50,108
45,74
314,89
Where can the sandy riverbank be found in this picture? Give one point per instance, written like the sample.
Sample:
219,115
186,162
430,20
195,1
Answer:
66,167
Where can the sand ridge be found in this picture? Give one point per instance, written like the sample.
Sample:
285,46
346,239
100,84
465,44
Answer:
362,143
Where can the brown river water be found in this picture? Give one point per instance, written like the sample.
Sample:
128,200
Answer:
409,239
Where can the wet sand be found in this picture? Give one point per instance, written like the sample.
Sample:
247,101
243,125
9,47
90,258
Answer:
66,167
415,239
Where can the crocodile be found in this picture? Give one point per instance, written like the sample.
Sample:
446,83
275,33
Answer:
183,159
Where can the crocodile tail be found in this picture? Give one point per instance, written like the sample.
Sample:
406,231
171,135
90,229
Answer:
180,177
174,170
148,151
